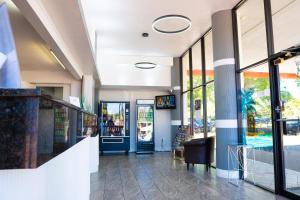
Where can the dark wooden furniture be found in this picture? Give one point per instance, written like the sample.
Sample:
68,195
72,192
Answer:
199,151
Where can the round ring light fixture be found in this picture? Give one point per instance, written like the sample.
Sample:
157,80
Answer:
187,24
145,65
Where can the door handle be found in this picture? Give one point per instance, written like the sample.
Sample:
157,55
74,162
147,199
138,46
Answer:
278,109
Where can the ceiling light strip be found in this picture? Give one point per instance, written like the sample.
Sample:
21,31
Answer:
145,65
57,59
181,17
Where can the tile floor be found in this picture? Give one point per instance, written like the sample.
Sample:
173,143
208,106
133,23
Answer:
159,177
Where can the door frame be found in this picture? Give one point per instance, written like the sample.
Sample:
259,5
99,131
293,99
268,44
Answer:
276,115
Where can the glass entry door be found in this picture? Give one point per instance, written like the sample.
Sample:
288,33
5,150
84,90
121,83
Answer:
289,92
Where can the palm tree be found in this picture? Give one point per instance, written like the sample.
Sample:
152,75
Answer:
247,108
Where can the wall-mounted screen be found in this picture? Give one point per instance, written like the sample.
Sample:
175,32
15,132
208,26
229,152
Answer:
165,102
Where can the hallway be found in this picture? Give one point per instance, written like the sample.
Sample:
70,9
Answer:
158,176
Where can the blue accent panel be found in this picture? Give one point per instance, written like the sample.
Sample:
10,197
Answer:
10,76
114,144
224,137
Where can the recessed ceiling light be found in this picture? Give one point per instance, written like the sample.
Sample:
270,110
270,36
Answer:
145,65
145,34
165,24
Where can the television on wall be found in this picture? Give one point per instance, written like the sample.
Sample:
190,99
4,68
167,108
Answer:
165,102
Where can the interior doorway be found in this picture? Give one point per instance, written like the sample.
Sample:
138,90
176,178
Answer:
56,92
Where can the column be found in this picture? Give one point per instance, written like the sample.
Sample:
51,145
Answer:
225,90
10,75
175,84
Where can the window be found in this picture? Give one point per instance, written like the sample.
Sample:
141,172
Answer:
195,107
257,130
285,17
198,113
210,100
197,64
209,60
185,72
186,108
251,32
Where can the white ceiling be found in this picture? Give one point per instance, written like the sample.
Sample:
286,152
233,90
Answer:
120,23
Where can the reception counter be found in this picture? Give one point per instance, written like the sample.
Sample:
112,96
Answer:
34,128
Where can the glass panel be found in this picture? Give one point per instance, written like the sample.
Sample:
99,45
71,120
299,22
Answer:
113,119
210,99
145,123
286,19
61,124
186,108
52,91
252,32
197,64
257,123
209,57
290,97
198,113
185,72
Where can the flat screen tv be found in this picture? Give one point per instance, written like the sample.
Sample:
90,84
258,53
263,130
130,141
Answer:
165,102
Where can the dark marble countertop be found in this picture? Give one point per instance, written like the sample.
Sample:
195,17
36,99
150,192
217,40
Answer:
37,93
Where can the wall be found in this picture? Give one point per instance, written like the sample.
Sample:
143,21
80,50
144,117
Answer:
88,89
162,118
66,176
72,87
114,76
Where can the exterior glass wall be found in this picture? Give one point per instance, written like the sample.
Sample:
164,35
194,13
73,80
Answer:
251,32
186,108
197,64
198,113
209,60
185,72
211,118
264,28
257,124
286,19
202,104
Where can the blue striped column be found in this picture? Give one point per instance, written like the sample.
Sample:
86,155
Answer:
225,91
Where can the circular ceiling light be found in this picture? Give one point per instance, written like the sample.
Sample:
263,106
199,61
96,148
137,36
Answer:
145,65
170,24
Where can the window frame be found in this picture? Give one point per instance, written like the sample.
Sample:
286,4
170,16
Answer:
192,87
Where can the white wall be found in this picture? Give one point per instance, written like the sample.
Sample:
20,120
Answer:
120,70
116,75
88,90
94,154
65,177
162,123
72,87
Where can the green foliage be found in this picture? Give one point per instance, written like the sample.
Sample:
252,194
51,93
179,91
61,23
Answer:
247,102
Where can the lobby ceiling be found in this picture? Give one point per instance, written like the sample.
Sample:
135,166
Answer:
120,23
116,28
